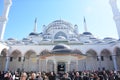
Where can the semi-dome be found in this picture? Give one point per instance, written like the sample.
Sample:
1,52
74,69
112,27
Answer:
74,39
61,37
61,48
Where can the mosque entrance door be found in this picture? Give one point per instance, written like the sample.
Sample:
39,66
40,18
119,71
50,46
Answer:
61,67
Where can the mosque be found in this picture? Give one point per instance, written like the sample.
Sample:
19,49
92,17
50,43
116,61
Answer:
59,47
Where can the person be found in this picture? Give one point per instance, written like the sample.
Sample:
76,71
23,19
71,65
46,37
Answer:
16,76
23,76
66,77
33,76
8,76
52,76
85,76
45,77
111,75
77,76
39,77
105,75
1,75
117,76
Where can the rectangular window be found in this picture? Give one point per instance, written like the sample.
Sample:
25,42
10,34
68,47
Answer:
103,68
98,68
97,58
24,59
102,58
19,59
110,58
11,58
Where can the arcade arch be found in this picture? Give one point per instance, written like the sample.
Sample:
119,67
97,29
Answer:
106,57
117,52
15,60
3,55
91,62
30,59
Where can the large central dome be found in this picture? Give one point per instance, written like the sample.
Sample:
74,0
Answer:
59,24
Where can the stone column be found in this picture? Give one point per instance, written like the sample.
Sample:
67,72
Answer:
99,62
68,66
46,65
41,65
55,66
22,61
84,63
37,63
114,62
7,63
76,65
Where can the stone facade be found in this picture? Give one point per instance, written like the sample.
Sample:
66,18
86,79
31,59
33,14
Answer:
60,47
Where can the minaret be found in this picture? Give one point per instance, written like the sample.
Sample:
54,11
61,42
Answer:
4,17
35,25
85,25
116,15
76,29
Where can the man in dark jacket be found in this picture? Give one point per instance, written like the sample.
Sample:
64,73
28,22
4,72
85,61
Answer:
66,77
52,76
77,76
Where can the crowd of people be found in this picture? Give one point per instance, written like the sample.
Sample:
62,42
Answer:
74,75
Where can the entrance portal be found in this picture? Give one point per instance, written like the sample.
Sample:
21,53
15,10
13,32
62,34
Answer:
61,67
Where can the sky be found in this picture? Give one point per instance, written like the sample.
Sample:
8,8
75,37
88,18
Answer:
98,14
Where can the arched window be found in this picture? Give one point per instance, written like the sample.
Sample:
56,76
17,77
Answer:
60,33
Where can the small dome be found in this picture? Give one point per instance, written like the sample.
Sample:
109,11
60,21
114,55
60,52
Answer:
87,33
109,39
11,39
26,39
33,34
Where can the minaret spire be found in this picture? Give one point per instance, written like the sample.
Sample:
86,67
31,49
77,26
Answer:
116,15
85,25
114,7
4,17
35,25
